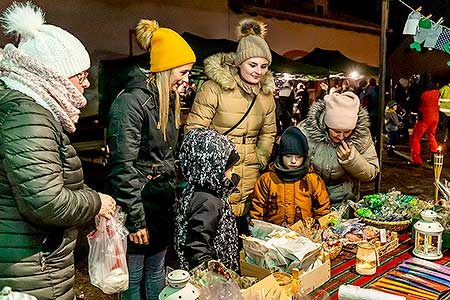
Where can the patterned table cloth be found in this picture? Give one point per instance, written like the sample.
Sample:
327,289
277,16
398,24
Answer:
343,268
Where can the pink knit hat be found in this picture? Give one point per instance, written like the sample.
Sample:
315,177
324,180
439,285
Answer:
341,111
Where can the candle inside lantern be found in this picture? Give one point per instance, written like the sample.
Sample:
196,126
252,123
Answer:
428,236
366,259
439,150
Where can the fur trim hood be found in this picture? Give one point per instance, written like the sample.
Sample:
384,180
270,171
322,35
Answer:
316,130
221,68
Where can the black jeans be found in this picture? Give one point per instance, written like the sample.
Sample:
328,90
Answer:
393,136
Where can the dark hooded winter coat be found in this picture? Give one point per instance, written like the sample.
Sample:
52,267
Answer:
205,224
142,175
42,200
341,177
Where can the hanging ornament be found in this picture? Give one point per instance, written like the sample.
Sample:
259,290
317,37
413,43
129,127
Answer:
422,34
412,23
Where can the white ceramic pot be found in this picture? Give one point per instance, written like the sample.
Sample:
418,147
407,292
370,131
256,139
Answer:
179,287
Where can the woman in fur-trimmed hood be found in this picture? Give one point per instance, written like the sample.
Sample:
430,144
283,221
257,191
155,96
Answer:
340,145
235,81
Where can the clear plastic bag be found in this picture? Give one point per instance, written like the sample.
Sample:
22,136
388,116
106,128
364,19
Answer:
220,289
8,294
107,254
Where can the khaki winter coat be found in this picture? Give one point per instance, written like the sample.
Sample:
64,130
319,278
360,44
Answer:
284,203
220,104
342,177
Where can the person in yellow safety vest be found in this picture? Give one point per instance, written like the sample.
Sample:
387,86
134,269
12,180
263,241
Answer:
444,99
444,108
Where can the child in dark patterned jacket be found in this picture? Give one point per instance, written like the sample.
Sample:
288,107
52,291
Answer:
205,224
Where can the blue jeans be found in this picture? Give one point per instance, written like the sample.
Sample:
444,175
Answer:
149,268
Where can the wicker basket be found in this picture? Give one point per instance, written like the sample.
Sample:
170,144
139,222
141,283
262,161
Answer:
333,252
336,250
393,226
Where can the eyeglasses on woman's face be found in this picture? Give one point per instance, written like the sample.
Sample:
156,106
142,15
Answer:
82,77
80,81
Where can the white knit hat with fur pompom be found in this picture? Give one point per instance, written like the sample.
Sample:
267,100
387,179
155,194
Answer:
51,45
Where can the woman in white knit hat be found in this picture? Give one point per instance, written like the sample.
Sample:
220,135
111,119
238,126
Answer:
340,145
42,194
239,83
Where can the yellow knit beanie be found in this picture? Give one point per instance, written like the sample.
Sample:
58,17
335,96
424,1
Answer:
167,48
251,41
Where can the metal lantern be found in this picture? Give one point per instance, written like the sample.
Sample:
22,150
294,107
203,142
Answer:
428,236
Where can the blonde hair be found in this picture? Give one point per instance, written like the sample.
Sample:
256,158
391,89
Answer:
162,81
144,35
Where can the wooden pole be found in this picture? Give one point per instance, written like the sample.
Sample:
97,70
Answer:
382,87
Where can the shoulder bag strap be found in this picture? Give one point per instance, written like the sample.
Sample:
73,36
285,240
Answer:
243,117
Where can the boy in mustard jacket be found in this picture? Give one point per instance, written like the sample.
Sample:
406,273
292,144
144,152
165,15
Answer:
290,191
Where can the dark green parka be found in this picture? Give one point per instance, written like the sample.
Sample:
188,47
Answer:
42,199
142,175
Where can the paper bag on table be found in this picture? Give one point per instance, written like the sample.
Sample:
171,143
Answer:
264,230
299,250
262,254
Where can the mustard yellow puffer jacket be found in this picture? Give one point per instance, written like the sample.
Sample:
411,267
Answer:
220,104
284,203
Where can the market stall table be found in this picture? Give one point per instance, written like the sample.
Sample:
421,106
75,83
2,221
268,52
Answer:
343,268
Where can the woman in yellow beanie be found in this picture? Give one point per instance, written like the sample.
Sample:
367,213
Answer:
142,137
237,101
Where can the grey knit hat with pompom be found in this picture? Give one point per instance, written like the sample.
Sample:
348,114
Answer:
251,41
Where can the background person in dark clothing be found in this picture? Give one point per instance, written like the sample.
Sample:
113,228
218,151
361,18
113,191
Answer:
372,92
284,107
402,98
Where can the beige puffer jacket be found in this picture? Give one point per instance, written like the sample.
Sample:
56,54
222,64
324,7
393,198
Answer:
220,104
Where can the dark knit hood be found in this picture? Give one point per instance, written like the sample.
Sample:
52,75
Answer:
221,68
317,131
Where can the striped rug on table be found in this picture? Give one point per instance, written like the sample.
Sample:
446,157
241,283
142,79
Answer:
343,268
